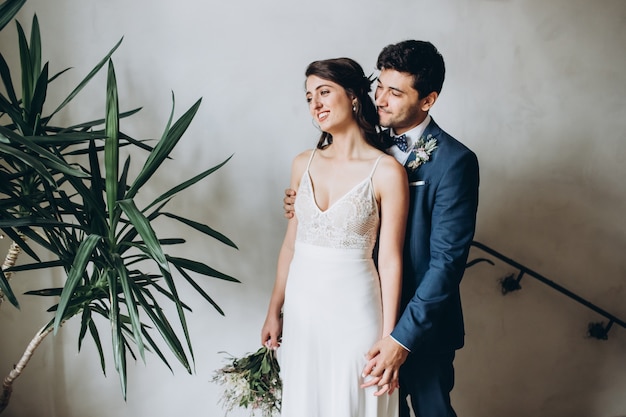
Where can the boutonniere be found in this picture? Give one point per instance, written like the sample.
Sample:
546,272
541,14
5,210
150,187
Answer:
422,150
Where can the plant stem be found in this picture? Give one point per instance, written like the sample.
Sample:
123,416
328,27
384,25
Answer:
9,261
7,384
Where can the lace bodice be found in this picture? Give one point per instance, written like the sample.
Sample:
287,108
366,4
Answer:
349,223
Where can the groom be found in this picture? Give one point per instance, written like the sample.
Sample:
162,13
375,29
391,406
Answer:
443,183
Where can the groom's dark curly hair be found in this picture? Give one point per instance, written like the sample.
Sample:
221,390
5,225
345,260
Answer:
418,58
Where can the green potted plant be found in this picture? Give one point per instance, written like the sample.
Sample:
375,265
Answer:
67,190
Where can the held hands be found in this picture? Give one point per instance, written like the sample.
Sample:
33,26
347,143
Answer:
383,366
289,200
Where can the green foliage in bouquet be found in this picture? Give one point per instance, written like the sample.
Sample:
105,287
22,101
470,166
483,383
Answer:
252,382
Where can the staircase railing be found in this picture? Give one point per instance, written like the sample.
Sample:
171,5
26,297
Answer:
510,283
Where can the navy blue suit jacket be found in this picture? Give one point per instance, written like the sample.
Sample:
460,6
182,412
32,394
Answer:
440,229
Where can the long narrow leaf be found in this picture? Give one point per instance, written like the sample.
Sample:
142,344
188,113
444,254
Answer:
33,221
29,160
98,122
36,266
17,238
43,241
94,206
85,319
132,233
8,10
38,100
167,276
47,158
199,289
6,289
187,183
28,79
62,140
119,352
97,185
76,272
93,202
151,283
35,48
14,113
200,268
93,330
121,187
172,241
142,224
46,292
111,147
5,74
153,310
131,305
58,74
155,348
89,76
162,150
204,229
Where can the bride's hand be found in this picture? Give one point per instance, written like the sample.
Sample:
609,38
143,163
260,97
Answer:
271,334
383,366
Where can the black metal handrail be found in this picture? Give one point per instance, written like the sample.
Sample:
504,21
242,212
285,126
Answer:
597,330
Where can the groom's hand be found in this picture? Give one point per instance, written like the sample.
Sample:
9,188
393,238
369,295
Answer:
383,366
289,200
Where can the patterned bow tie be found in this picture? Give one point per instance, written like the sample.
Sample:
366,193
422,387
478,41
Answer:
401,142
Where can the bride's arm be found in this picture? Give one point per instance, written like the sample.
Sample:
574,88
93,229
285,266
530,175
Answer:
394,198
272,328
386,356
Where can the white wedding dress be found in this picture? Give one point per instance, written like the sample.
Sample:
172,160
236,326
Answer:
332,310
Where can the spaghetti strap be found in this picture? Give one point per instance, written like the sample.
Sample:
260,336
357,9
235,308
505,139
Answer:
310,159
375,165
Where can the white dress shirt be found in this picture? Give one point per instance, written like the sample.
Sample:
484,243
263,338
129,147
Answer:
412,136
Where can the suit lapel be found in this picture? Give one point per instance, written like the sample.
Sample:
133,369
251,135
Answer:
432,129
409,159
417,175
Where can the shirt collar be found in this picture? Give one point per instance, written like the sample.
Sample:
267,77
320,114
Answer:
412,136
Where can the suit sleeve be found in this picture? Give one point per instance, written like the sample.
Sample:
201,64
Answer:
451,233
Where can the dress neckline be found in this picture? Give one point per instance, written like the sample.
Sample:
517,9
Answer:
334,203
367,179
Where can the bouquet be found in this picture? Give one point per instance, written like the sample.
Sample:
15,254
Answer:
252,381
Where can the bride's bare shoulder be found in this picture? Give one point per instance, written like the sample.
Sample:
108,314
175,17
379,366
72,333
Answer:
301,160
389,168
299,164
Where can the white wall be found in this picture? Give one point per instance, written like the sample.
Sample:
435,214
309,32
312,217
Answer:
537,88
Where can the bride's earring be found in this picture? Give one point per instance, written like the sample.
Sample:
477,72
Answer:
317,126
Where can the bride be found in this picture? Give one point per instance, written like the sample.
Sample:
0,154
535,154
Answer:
338,279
